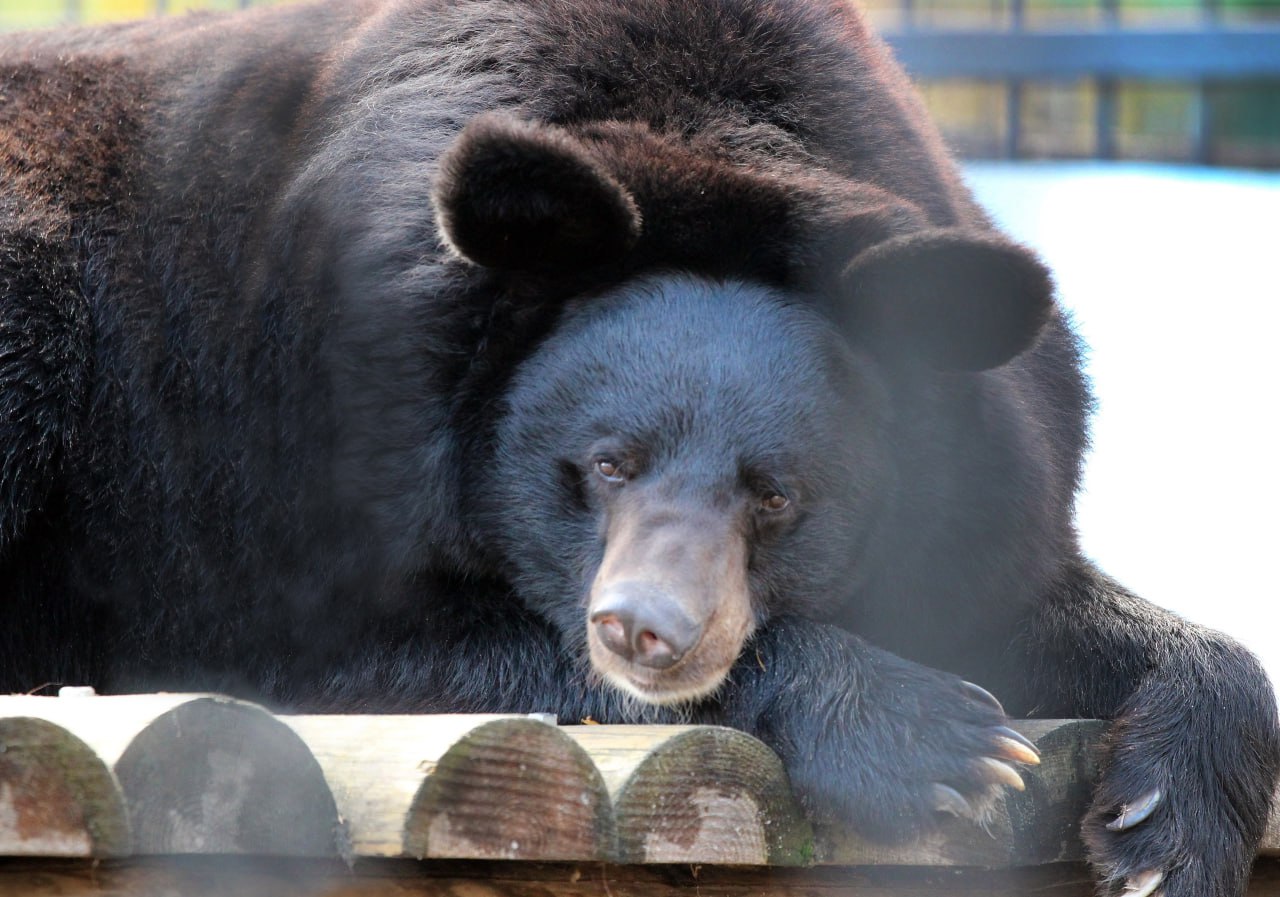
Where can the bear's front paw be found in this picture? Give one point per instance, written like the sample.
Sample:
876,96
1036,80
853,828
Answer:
1173,816
892,760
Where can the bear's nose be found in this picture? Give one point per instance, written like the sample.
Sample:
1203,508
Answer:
644,624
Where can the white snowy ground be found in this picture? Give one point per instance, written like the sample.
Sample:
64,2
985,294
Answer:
1173,277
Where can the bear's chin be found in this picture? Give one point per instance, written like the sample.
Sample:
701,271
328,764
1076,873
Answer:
661,694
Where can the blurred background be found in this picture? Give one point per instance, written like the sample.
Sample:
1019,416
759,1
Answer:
1136,145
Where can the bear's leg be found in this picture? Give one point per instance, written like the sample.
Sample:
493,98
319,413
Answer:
1193,754
44,359
869,739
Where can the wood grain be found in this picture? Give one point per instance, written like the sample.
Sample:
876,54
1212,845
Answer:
200,774
195,876
57,797
197,773
697,794
481,787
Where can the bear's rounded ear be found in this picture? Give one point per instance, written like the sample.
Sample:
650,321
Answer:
948,299
524,196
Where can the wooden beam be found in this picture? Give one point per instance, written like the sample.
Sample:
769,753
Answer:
697,794
195,876
192,774
196,773
57,797
479,787
257,877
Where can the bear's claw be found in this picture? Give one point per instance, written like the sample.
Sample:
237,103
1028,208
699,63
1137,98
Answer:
980,695
1000,773
948,800
1012,745
1143,884
1134,813
994,770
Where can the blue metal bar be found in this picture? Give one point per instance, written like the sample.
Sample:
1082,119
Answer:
1183,55
1203,126
1105,120
1013,120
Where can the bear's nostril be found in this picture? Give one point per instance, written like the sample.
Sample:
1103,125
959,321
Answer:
613,633
652,651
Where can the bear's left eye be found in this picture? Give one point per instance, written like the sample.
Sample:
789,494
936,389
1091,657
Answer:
610,469
773,502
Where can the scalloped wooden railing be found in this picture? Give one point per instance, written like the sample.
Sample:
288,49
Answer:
203,795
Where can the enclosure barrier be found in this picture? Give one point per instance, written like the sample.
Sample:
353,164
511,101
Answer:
204,795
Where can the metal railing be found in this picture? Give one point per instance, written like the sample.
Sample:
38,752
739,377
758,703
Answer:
1210,54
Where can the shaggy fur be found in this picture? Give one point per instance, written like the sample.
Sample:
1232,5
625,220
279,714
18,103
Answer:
315,323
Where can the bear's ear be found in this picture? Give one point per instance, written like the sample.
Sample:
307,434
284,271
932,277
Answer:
522,196
951,300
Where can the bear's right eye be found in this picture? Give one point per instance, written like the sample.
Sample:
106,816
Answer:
611,470
774,502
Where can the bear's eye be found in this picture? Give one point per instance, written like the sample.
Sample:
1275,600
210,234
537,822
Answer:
773,502
610,469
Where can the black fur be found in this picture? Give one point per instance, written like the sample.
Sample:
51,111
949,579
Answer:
301,394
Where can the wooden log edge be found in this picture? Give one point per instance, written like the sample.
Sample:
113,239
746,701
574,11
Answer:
215,775
698,794
512,789
57,797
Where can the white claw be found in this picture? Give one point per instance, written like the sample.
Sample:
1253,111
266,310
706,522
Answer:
948,800
1002,773
1132,814
1143,884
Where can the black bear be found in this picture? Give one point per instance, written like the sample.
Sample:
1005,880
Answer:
633,359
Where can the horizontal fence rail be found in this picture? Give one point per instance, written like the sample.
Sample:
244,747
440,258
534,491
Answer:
1212,57
1214,53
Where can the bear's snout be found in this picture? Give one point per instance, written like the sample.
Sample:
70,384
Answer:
670,607
643,623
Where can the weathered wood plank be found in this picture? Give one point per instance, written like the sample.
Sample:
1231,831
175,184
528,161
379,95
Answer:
461,786
697,794
196,876
171,774
246,877
57,797
200,773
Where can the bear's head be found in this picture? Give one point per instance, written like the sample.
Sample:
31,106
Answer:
689,452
